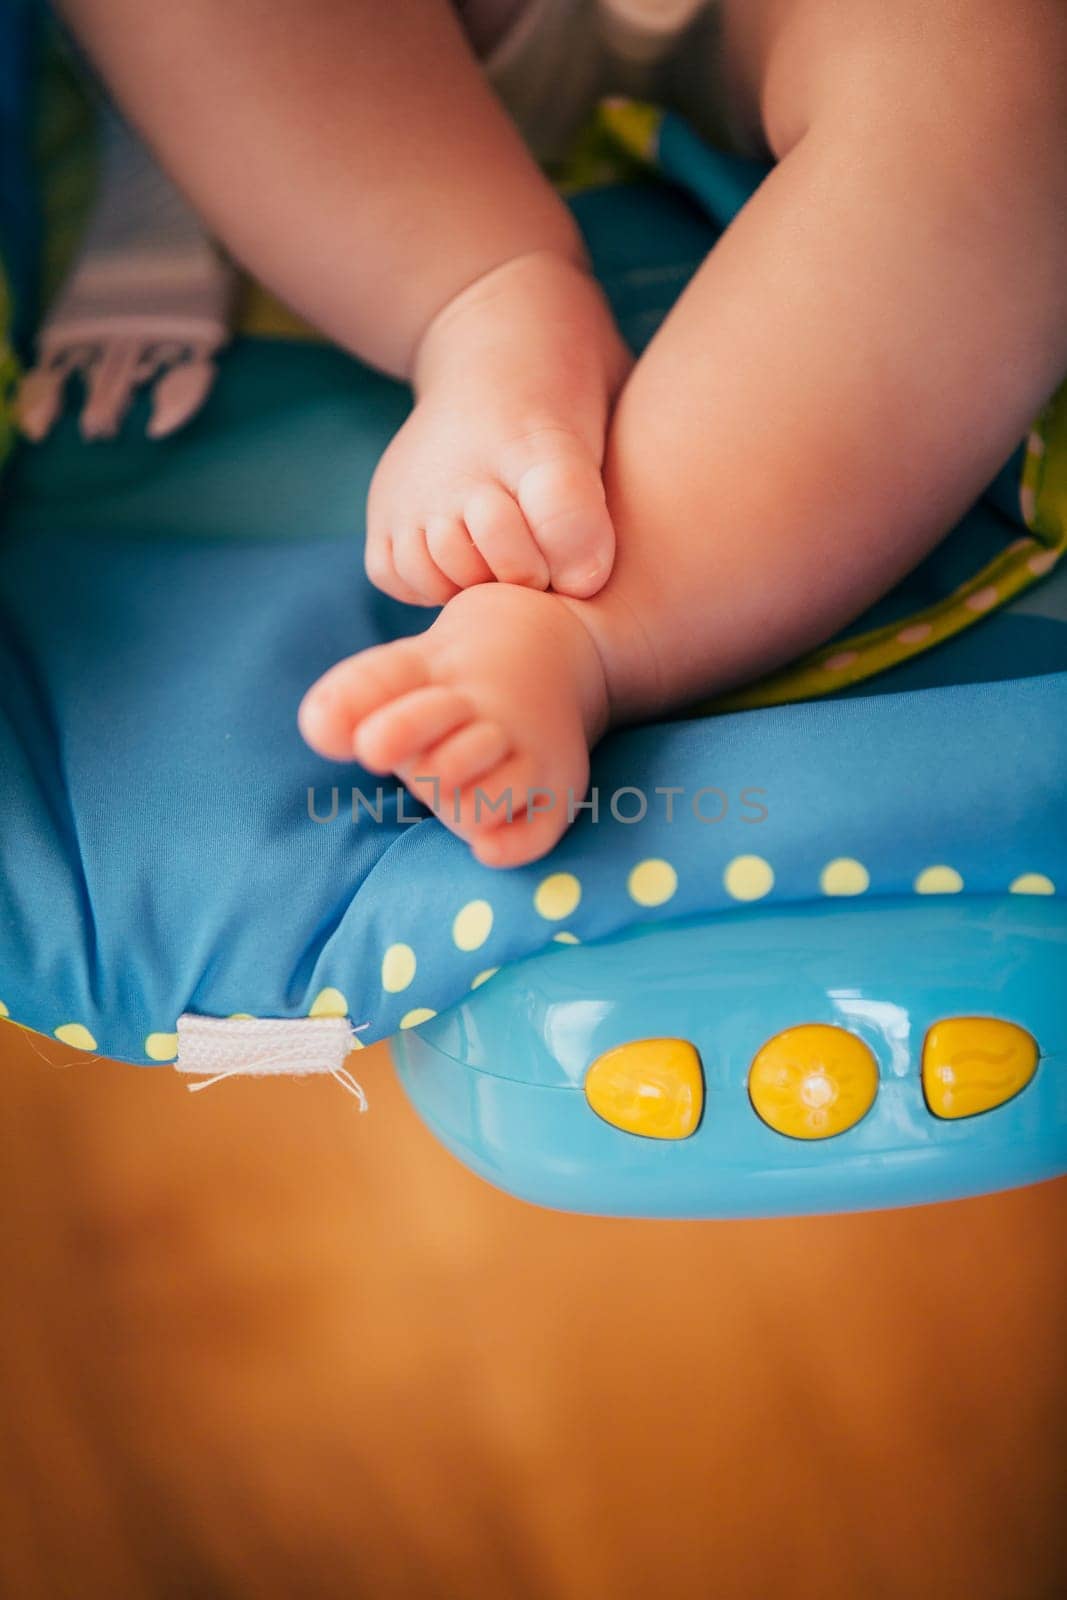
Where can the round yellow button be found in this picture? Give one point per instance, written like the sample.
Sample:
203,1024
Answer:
813,1081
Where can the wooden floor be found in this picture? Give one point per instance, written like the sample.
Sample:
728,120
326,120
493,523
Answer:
255,1345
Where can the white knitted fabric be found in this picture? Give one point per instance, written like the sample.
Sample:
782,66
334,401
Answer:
219,1047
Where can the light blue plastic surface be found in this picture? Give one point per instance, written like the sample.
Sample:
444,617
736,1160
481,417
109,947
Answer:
500,1077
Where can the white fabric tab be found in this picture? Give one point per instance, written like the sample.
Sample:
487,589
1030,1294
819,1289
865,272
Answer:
220,1047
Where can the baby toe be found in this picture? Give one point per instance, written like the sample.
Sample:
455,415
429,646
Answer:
340,700
465,756
530,836
405,728
326,723
497,798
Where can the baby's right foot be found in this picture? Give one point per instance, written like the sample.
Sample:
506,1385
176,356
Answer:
496,473
488,717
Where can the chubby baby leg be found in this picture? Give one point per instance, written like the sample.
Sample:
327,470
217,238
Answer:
354,157
874,333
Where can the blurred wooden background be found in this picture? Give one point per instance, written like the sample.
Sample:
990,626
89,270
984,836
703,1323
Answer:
254,1345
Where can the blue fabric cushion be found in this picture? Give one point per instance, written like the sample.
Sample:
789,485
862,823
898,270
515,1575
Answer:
163,606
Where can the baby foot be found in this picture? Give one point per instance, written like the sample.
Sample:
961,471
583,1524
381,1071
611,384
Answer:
496,473
488,717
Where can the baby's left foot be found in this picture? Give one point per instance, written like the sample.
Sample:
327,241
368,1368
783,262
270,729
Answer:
488,717
496,473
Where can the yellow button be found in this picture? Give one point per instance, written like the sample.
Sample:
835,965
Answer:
972,1064
813,1081
654,1087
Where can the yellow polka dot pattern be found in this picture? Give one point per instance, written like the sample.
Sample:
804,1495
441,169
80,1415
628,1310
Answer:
748,878
328,1003
76,1035
411,1019
557,896
161,1046
398,968
1032,883
652,882
472,925
844,876
938,880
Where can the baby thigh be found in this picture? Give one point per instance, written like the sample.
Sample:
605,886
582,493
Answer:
861,350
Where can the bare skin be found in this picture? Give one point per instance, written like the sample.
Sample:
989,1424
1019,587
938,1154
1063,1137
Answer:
353,157
874,333
497,472
899,316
